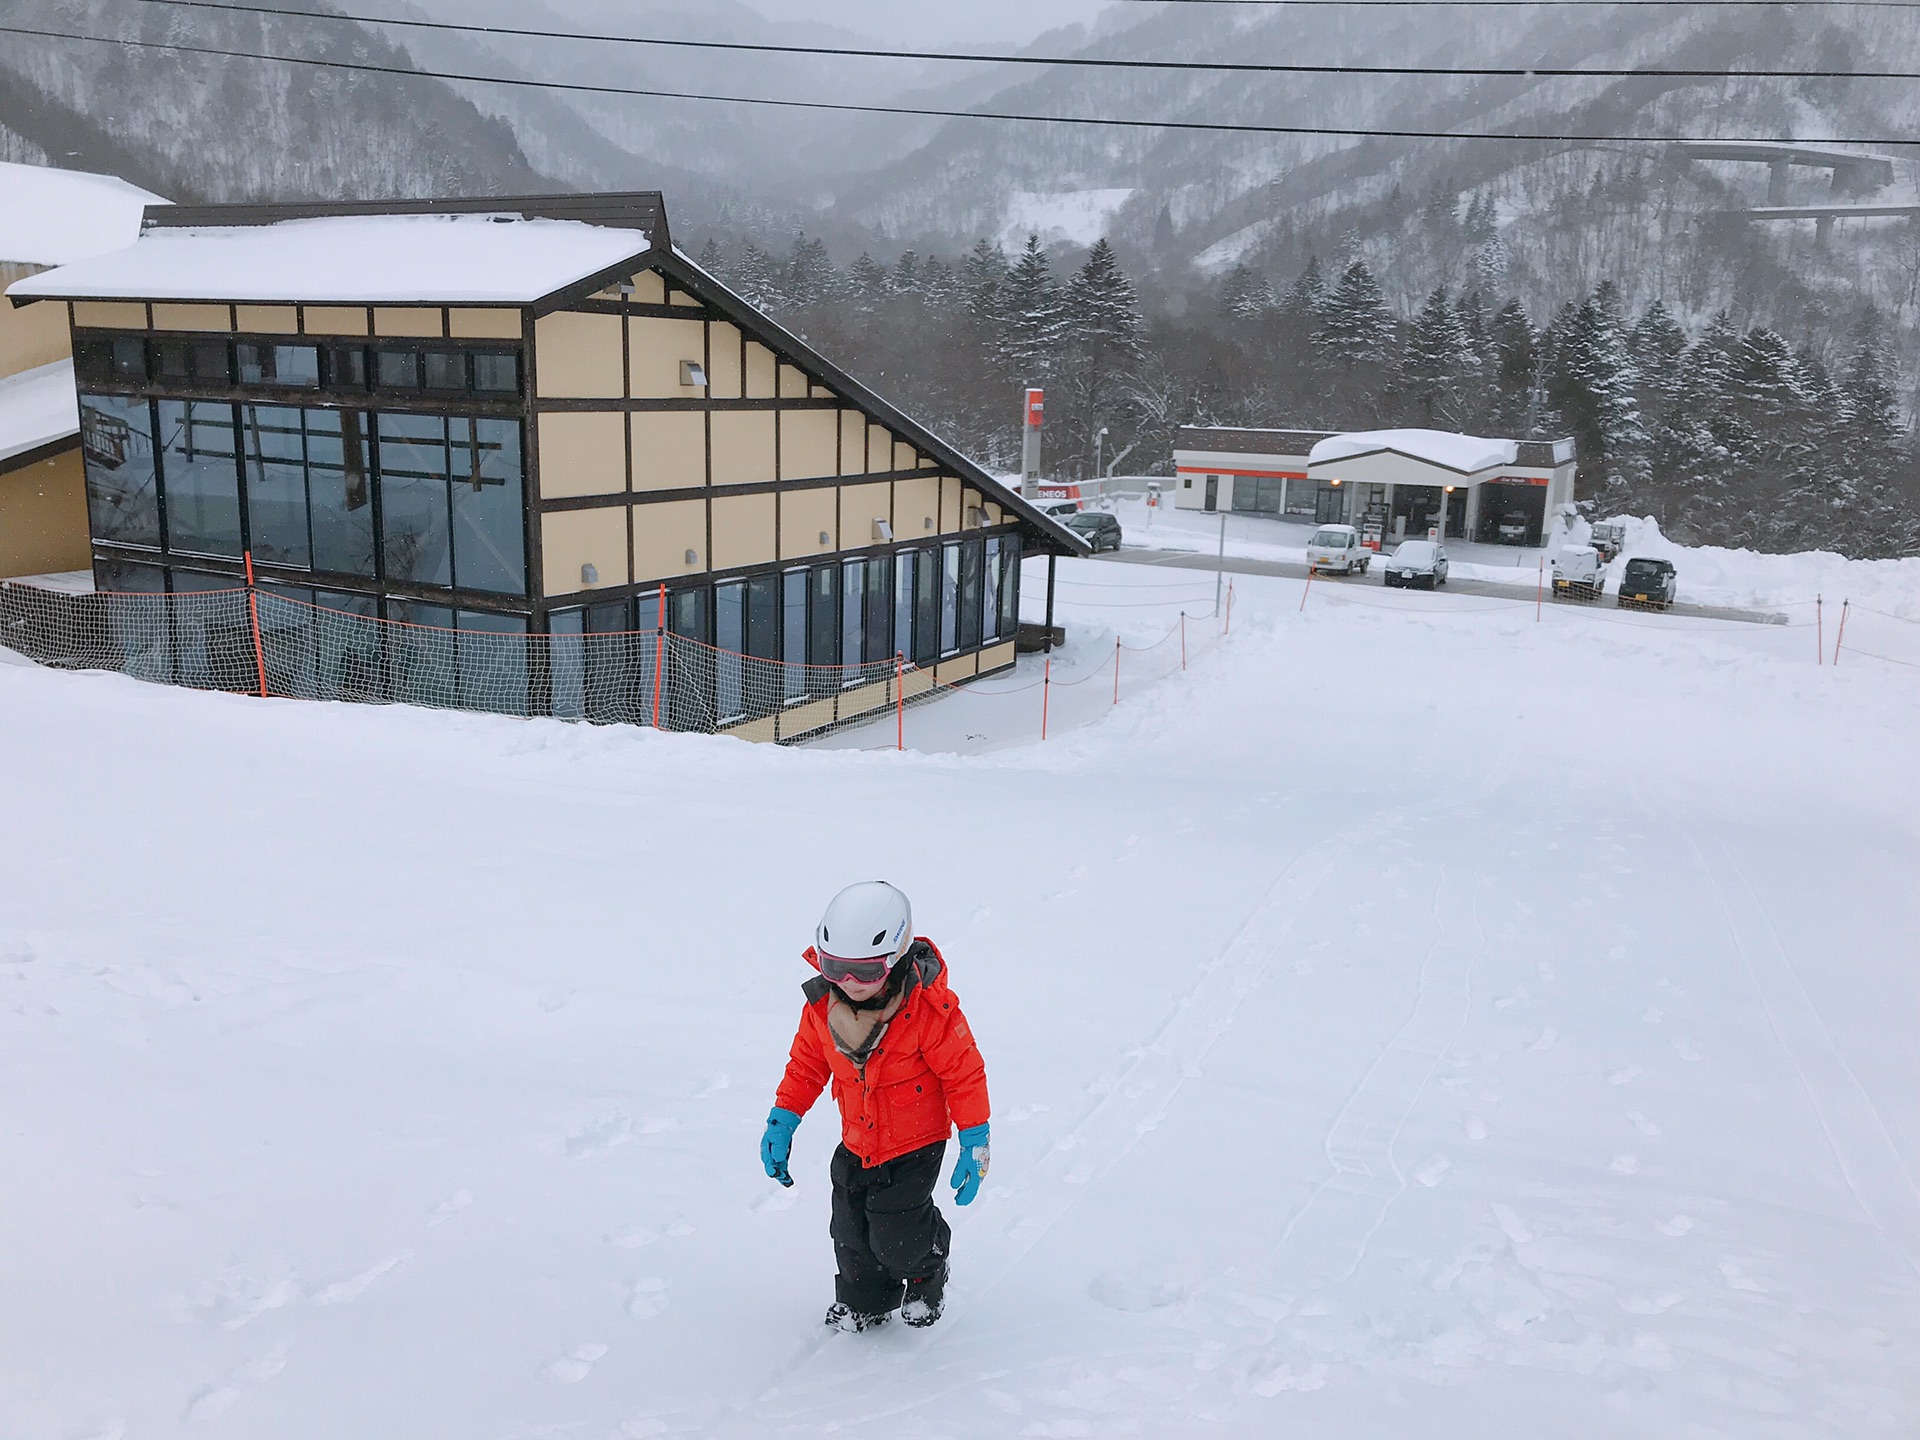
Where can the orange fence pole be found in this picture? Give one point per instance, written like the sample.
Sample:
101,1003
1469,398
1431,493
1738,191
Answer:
1046,694
1540,590
659,653
1819,634
1309,588
900,699
253,612
1845,605
1116,669
1229,629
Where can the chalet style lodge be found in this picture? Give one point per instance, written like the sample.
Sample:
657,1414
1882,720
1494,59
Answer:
525,417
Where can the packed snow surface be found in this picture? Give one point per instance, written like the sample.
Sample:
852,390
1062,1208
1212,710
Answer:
351,259
1077,217
37,407
53,217
1412,1019
1468,454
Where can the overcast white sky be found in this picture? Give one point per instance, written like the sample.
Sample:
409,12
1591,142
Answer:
938,22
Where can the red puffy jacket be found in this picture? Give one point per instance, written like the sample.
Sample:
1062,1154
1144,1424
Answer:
923,1077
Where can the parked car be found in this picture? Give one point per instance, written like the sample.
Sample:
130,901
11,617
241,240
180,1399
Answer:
1578,573
1097,528
1609,538
1418,563
1338,547
1648,584
1060,509
1512,529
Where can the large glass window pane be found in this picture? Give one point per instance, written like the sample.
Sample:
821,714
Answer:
93,360
276,474
130,360
567,664
445,370
1009,587
397,369
990,601
729,639
347,367
763,617
949,599
687,686
212,362
879,643
853,626
496,374
116,444
823,632
421,661
142,642
416,526
287,638
212,634
926,606
339,491
199,466
493,662
346,646
172,362
489,522
614,693
972,561
687,614
793,632
903,604
292,366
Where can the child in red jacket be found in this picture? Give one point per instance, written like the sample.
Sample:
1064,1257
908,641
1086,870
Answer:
881,1025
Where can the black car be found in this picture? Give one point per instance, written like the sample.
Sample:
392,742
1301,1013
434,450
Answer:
1648,584
1097,528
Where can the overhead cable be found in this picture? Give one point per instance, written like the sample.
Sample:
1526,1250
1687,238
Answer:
937,112
1074,62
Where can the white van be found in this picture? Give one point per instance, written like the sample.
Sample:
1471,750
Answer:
1579,573
1338,547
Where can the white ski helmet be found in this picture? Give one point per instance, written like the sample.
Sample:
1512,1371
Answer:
870,920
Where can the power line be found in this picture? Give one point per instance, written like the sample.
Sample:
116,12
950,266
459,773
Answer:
1084,62
936,112
1557,4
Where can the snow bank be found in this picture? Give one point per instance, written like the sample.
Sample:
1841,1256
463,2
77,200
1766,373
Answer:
54,217
1712,575
351,259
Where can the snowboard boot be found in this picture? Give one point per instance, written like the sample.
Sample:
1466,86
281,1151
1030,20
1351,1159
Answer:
926,1297
841,1316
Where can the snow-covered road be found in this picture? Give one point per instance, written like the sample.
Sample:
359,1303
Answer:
1511,1034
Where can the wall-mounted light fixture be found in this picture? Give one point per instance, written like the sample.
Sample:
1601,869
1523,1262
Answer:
693,557
825,538
626,288
692,372
927,524
589,574
977,517
883,532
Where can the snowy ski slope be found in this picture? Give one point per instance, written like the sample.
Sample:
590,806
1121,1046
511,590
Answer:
1413,1021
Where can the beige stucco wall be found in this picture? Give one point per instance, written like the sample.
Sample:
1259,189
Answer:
663,532
860,507
572,538
914,503
723,362
484,324
269,319
110,314
995,657
192,317
649,289
761,368
853,443
904,457
743,530
579,357
409,322
961,667
951,516
656,349
809,444
742,446
582,454
43,516
879,450
793,383
669,449
32,336
804,516
335,320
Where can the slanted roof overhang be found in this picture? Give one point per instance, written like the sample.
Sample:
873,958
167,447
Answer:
1047,534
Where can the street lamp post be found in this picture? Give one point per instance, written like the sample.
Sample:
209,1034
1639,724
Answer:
1099,441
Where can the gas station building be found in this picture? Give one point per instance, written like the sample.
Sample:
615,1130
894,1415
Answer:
1390,484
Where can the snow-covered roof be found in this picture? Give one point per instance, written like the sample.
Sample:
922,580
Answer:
37,407
1466,454
500,259
54,217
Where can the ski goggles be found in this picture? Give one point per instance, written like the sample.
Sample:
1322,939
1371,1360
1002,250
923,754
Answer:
870,971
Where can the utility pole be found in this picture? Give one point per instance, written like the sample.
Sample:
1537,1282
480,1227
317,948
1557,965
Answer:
1220,572
1099,443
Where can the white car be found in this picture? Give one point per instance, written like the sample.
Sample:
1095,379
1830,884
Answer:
1338,547
1579,573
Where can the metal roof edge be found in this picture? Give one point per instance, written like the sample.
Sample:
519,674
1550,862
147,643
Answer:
674,262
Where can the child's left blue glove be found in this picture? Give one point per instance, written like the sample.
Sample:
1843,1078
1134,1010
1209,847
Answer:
972,1168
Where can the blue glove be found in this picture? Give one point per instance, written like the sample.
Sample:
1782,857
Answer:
972,1168
777,1144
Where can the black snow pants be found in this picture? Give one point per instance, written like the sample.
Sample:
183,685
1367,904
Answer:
886,1228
